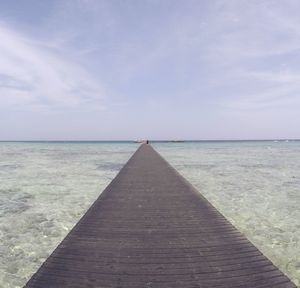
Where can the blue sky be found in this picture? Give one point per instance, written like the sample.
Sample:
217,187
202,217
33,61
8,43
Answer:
180,69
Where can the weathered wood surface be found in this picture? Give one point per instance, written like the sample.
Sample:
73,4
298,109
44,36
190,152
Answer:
151,228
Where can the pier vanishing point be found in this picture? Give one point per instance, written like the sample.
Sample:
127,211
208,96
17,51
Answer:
151,229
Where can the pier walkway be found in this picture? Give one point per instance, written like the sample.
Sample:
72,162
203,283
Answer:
151,229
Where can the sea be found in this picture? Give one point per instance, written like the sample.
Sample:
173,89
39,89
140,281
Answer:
45,187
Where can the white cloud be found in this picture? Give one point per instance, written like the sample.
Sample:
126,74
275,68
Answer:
33,76
221,57
252,56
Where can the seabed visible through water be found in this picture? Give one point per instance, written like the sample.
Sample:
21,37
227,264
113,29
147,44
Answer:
46,187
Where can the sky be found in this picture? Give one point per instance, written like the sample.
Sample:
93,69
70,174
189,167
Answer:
149,69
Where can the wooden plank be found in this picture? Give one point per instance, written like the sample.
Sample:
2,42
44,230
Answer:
151,228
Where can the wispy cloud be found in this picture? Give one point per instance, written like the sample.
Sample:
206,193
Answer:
203,60
252,49
33,76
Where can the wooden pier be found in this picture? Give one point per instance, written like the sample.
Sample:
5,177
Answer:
151,229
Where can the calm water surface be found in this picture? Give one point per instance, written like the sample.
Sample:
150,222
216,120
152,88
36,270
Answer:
46,187
256,185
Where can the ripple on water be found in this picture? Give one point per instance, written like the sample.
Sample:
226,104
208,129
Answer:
255,185
44,190
12,201
110,166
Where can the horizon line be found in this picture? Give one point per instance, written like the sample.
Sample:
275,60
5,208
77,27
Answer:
157,140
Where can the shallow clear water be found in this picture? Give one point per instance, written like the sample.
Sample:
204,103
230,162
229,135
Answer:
256,185
46,187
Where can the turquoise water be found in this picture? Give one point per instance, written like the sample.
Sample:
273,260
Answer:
46,187
256,185
44,190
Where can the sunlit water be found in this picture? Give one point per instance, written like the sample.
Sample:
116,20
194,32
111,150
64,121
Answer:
256,185
44,190
46,187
